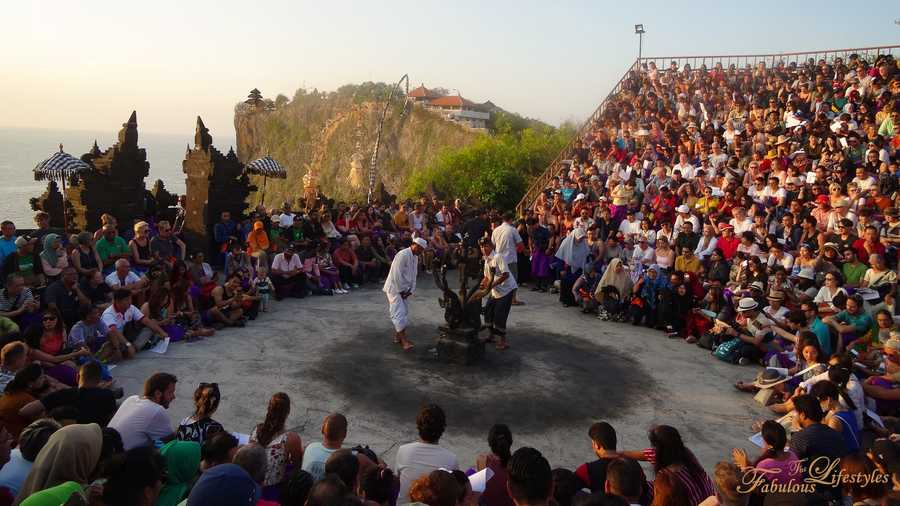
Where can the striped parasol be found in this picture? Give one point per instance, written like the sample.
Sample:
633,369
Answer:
59,167
266,166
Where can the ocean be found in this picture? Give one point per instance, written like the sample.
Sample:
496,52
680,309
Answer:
23,148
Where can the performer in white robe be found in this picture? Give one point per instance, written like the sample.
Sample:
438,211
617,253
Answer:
399,285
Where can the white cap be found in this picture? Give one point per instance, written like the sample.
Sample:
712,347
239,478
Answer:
421,242
683,209
580,196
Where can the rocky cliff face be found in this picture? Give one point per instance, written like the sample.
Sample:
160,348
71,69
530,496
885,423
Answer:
333,134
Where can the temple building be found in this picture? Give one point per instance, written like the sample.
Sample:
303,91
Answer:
453,108
114,186
215,183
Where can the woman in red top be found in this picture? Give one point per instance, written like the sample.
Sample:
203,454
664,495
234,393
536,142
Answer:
48,342
728,242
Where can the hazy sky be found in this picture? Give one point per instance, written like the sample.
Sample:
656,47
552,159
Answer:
86,64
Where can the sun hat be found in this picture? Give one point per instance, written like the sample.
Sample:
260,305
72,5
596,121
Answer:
775,295
782,139
769,377
844,202
747,304
421,242
830,245
892,345
757,285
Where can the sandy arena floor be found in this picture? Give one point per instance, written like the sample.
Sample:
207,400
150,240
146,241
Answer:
564,371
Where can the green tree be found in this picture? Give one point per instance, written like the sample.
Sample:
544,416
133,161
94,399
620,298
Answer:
493,170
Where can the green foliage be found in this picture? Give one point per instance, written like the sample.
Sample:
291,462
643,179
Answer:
493,170
505,122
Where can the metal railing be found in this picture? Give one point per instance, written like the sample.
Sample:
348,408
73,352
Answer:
772,59
540,182
662,62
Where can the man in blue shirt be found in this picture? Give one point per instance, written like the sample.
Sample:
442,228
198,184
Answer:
852,323
818,327
7,240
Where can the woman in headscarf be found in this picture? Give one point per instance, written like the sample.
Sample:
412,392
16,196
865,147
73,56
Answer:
573,251
64,466
182,465
614,288
53,257
258,244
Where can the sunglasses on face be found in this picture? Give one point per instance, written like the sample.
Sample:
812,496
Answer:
49,318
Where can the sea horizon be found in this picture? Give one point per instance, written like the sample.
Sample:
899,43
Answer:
21,148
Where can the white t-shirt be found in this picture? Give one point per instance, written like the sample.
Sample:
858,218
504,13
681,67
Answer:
417,459
741,226
505,238
115,319
140,421
500,266
825,296
114,281
630,228
282,264
314,457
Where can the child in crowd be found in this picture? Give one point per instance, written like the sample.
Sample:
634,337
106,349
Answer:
263,286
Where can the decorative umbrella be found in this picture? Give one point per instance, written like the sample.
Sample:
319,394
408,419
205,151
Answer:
266,167
60,167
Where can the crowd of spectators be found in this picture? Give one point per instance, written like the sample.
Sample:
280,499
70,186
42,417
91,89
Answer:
749,211
752,212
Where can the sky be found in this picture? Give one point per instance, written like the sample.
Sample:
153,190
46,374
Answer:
85,65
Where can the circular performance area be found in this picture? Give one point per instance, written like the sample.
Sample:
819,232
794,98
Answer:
563,371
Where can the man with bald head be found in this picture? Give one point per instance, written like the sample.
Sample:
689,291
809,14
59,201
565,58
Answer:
334,431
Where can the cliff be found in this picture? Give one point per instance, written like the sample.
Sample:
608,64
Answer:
334,135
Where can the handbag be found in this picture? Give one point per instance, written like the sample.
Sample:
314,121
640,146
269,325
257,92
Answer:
729,351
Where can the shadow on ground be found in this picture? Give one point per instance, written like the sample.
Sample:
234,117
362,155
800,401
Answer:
544,381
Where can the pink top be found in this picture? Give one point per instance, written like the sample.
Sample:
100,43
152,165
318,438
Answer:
782,471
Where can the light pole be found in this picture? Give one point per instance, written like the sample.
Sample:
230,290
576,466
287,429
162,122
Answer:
639,30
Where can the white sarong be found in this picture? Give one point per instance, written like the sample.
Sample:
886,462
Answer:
399,311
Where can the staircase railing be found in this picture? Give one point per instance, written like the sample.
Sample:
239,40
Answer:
540,182
868,53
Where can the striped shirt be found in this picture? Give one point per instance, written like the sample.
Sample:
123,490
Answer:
698,488
8,304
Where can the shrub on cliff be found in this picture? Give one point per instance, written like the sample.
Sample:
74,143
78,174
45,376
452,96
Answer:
493,170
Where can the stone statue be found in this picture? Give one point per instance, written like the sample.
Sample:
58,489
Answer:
463,309
458,341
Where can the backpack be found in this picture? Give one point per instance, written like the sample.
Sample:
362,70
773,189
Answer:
729,351
709,340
